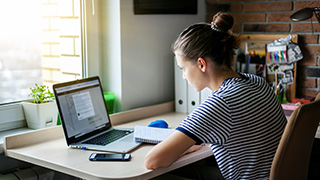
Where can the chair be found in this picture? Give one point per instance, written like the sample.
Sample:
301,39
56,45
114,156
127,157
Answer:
291,160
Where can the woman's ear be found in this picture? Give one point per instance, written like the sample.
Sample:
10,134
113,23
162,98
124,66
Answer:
202,64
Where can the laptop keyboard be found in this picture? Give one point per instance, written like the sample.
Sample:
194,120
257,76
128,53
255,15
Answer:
108,137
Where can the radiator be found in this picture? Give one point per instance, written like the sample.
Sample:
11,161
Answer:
33,173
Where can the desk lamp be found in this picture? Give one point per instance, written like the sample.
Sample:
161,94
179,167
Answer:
305,14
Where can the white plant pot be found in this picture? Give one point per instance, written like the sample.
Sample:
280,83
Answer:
40,115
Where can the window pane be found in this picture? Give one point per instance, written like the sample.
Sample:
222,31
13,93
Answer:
40,42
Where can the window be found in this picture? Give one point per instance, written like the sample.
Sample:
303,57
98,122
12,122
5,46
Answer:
40,43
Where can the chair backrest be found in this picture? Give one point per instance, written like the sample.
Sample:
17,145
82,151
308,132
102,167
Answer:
291,160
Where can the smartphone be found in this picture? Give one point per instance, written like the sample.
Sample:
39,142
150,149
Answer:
110,157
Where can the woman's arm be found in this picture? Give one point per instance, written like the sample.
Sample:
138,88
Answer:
168,151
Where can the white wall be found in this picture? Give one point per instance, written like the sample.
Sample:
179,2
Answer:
110,47
136,52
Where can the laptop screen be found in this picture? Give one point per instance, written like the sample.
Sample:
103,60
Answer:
81,106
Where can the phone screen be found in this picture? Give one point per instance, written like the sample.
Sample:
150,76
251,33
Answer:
109,156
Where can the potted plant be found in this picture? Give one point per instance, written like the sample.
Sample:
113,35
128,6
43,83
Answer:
42,110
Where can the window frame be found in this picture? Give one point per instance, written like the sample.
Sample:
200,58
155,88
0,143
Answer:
11,113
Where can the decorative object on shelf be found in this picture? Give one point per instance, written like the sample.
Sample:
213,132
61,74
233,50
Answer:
282,54
42,111
109,97
257,43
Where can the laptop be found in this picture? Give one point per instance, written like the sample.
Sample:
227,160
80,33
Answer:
85,119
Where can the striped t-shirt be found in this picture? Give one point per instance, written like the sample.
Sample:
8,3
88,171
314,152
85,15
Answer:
244,121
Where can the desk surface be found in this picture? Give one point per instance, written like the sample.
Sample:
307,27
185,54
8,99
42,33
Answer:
47,148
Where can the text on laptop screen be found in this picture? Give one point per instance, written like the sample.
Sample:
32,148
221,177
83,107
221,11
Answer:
82,107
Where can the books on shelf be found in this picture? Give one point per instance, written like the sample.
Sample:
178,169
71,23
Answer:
151,134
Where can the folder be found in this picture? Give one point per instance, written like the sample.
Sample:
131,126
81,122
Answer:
204,94
193,99
180,90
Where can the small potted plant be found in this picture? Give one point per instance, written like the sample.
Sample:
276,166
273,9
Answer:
42,110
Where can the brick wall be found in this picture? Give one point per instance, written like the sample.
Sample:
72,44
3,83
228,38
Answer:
273,17
61,46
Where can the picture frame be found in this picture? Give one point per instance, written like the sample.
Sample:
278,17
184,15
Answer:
165,7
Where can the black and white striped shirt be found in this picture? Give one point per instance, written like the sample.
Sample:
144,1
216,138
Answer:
244,121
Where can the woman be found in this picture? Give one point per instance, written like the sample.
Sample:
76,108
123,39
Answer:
242,119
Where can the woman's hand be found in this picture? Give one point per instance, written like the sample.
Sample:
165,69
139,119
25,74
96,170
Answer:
193,148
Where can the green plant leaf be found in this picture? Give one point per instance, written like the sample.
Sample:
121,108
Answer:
41,94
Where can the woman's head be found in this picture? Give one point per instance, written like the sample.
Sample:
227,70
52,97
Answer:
205,40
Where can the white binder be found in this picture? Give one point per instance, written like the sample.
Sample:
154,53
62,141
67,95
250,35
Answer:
204,94
180,90
193,99
186,98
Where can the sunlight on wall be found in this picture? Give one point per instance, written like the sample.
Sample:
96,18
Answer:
40,43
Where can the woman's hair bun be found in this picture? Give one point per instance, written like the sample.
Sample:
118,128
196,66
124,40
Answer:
223,21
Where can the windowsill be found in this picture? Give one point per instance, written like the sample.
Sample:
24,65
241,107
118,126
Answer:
11,132
25,129
118,118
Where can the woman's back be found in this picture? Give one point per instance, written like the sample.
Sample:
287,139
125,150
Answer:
244,122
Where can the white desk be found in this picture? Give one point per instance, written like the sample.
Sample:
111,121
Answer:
47,148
